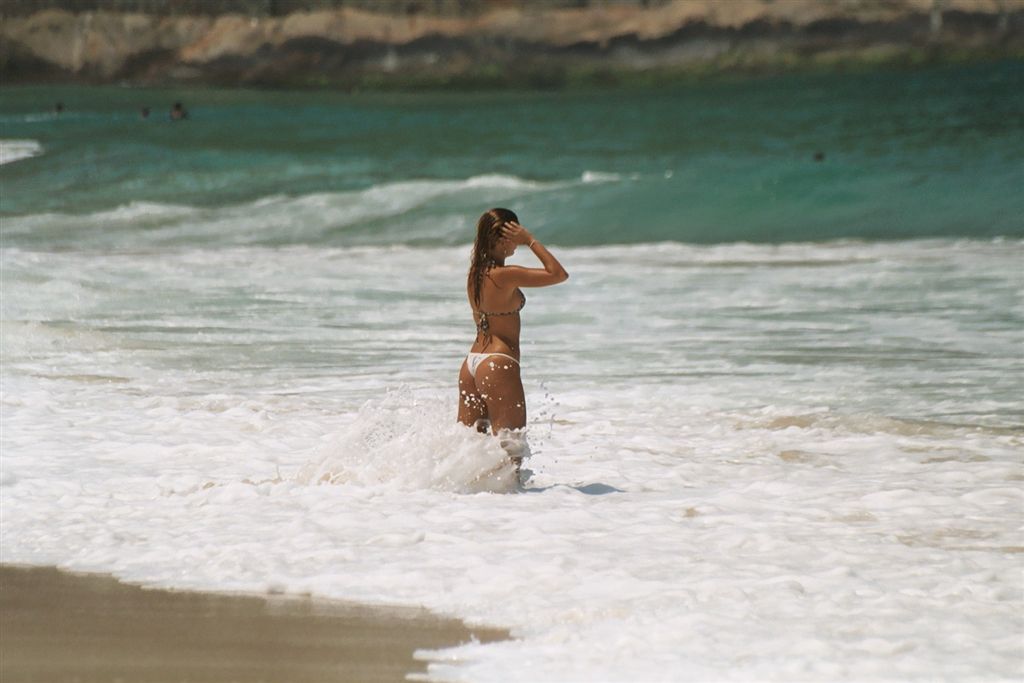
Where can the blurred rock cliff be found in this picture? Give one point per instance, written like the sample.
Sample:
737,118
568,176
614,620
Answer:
538,43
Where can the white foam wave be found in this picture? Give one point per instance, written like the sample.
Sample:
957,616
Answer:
277,218
16,150
400,444
505,181
136,212
740,500
599,177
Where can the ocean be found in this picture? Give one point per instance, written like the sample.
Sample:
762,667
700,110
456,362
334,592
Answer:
775,414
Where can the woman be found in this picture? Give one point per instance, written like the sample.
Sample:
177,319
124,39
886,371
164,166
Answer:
490,389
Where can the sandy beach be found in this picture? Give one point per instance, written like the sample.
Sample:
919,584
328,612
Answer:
56,626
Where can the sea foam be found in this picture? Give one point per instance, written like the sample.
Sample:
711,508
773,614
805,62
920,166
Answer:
321,217
399,443
16,150
757,462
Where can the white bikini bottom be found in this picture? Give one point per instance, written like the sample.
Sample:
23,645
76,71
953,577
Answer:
473,360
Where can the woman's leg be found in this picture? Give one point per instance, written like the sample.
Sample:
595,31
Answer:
499,384
472,407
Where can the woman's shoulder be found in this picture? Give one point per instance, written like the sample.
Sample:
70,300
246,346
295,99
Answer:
505,276
497,275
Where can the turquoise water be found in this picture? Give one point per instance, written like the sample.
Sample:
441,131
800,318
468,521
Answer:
933,153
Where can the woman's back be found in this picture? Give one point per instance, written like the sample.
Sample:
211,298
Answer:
497,315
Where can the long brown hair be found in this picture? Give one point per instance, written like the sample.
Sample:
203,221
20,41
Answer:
488,232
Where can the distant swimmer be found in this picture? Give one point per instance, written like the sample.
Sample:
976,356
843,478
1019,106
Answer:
490,388
58,108
144,113
178,112
819,156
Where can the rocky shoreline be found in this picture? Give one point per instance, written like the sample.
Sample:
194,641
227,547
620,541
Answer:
524,44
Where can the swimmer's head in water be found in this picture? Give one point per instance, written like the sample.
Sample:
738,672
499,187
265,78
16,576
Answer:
488,239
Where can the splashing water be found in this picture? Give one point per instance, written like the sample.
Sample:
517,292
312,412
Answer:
402,443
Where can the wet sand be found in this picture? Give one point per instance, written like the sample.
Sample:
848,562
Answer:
57,626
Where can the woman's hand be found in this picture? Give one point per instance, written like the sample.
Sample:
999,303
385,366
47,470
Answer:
516,233
517,276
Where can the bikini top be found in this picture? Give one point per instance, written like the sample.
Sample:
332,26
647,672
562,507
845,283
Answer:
482,325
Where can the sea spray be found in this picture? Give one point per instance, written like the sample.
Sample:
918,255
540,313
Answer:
401,443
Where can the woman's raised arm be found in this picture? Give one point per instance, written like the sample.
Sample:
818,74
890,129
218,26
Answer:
517,276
